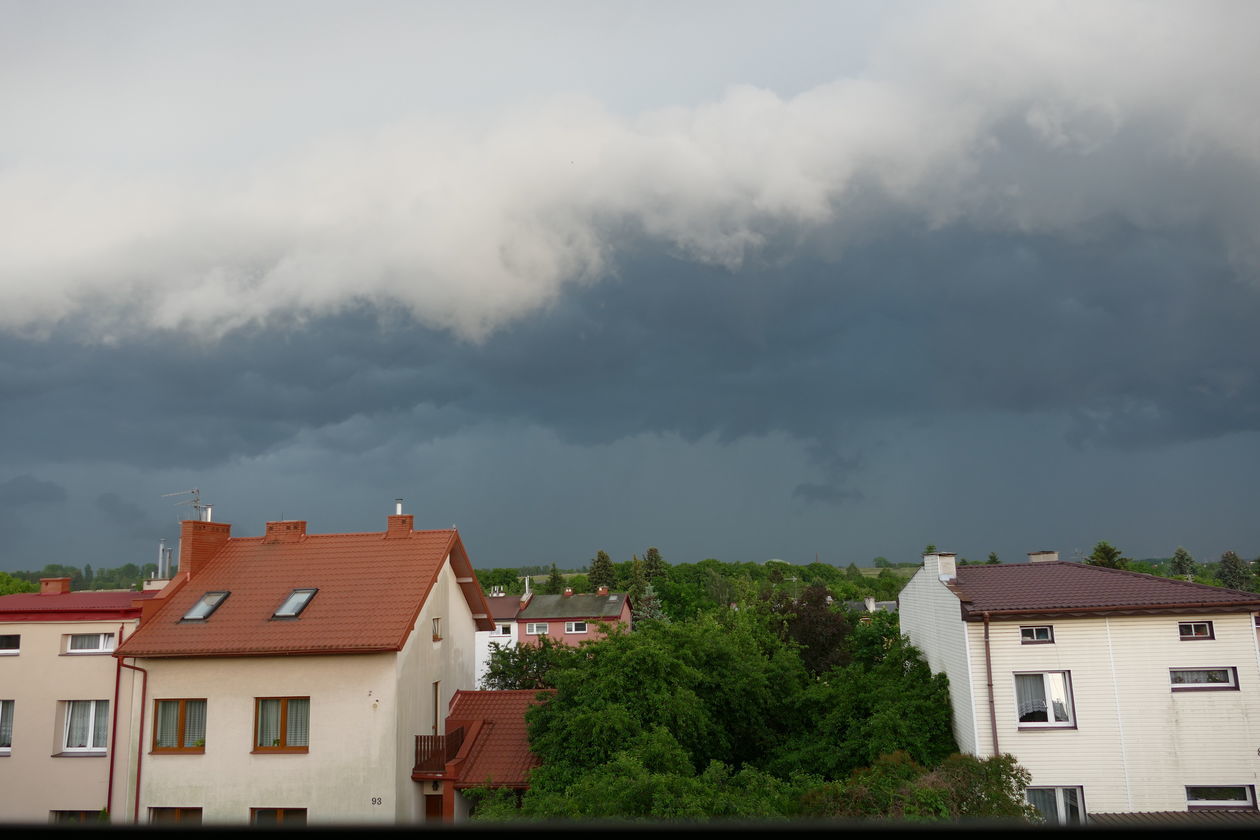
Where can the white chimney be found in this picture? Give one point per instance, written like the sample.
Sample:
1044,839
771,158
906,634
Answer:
870,604
208,513
942,564
397,507
1043,557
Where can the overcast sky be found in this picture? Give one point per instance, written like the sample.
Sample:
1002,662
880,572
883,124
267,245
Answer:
761,280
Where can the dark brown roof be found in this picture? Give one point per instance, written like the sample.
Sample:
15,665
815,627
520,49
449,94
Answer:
1063,587
542,607
1208,818
371,588
504,607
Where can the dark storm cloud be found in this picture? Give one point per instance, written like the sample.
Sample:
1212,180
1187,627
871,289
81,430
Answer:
28,490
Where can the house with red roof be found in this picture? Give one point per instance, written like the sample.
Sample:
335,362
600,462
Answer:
59,685
486,746
290,678
1120,692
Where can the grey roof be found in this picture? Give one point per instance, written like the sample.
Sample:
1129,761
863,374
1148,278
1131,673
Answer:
573,606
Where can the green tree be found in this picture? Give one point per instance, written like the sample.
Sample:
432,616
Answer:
648,607
1107,556
638,580
1182,564
930,548
10,585
555,582
654,567
882,562
510,580
993,558
521,666
602,572
853,573
820,629
1232,572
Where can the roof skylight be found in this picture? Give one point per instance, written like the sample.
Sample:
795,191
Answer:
204,607
295,603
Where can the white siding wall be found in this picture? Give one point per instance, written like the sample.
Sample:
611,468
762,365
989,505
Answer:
930,615
1136,744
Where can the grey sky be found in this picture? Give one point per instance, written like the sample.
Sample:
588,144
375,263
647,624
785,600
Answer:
738,280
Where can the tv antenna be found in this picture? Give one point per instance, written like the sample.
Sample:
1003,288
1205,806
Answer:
203,510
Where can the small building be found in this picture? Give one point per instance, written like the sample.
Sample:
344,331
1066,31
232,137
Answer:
288,679
59,686
1120,692
571,618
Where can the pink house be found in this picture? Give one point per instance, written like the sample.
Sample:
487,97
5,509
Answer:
571,618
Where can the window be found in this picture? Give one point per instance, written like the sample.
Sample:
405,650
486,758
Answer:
1044,699
1220,796
1041,634
295,603
6,726
1191,630
10,645
575,627
1203,679
187,816
76,817
283,724
87,725
536,628
206,605
437,629
502,630
90,643
277,816
1058,806
179,726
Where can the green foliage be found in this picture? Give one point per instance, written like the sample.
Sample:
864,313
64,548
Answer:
10,585
895,786
511,580
1232,571
602,572
555,582
522,666
1107,556
819,628
993,558
1182,564
654,566
883,562
648,607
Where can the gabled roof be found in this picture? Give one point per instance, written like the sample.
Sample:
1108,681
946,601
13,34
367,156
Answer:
72,606
1011,589
497,754
371,587
504,607
543,607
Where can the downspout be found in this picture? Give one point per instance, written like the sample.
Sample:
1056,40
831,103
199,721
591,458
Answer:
113,733
144,693
988,670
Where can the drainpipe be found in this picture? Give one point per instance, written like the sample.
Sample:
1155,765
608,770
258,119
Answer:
988,669
113,732
144,699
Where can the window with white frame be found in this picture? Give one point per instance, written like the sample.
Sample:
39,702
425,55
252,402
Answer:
575,627
1044,699
501,629
6,726
1037,634
90,643
87,725
1192,630
10,644
1058,805
536,628
1203,679
1206,797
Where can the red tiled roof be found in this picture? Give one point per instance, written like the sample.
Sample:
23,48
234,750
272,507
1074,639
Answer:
1060,586
499,755
371,588
72,606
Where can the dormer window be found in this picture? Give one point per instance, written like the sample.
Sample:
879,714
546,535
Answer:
205,606
295,603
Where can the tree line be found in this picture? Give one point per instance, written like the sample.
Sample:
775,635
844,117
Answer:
127,576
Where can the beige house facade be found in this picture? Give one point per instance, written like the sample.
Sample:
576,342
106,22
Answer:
1119,692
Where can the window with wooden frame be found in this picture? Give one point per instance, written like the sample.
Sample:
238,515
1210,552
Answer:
278,816
282,724
185,816
1190,631
437,629
179,726
1203,679
1036,634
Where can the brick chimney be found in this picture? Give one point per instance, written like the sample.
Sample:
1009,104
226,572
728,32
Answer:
603,590
200,541
568,591
282,532
54,586
1043,557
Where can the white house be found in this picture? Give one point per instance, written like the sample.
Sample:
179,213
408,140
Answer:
1120,692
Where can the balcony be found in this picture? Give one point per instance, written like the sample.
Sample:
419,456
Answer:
433,751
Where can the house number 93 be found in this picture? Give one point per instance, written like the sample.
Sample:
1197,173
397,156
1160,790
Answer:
376,800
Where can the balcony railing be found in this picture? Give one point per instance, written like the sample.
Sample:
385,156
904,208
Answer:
433,751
